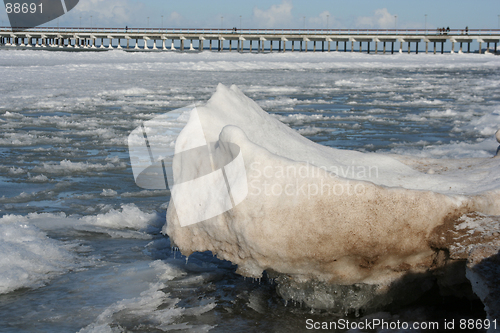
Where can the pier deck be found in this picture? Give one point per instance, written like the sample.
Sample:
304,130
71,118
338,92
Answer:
249,40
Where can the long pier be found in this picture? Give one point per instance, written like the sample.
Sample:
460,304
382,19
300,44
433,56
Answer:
253,40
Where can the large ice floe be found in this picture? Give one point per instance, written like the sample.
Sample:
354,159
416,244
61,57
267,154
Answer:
337,229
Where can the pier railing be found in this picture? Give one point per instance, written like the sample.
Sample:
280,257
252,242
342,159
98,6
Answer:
373,32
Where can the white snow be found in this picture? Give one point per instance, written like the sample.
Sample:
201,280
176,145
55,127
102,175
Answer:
28,257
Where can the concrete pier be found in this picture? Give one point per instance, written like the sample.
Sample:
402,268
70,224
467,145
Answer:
283,40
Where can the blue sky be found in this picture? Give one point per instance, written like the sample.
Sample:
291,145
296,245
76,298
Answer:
347,14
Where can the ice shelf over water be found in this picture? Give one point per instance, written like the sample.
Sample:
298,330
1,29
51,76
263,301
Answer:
320,215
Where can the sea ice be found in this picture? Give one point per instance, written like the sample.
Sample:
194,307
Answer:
319,214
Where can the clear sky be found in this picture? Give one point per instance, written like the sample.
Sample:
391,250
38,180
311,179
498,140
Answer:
350,14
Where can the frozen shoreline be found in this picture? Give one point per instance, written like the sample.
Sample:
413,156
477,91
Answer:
65,119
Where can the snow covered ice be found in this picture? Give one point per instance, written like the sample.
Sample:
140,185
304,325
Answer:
305,218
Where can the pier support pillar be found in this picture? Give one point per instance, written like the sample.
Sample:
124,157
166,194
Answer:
238,46
460,51
376,47
306,46
384,47
258,46
230,45
200,45
487,48
442,47
271,46
468,48
368,47
300,46
426,47
136,44
360,46
400,47
323,46
182,45
416,47
172,47
392,48
314,46
293,45
251,43
479,47
328,46
452,47
191,48
163,44
210,45
409,47
337,47
434,47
